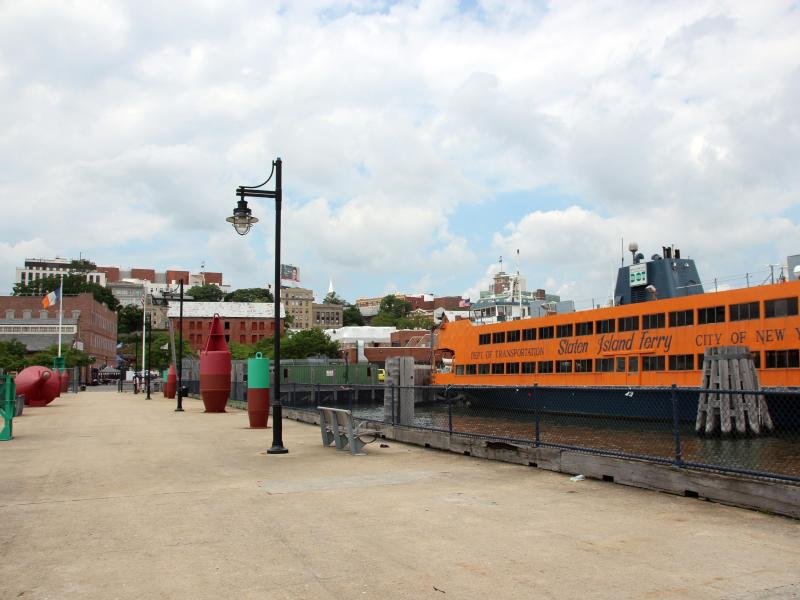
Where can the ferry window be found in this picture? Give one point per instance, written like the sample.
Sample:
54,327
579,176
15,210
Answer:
564,330
484,339
584,328
655,321
483,369
653,363
628,323
681,318
545,333
563,366
744,311
498,368
544,366
472,369
620,368
459,369
605,326
528,367
498,337
784,307
528,335
604,365
633,364
681,362
583,365
512,368
756,356
700,361
513,336
782,359
712,314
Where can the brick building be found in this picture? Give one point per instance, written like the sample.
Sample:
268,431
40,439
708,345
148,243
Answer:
87,325
242,322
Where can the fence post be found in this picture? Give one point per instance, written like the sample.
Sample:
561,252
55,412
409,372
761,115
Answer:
676,429
536,417
394,417
449,409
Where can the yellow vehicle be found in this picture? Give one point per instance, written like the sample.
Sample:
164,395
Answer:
381,375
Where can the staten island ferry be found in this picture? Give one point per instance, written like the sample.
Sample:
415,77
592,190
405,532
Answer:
654,334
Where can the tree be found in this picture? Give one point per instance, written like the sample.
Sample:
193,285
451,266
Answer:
12,355
71,356
74,284
415,321
309,342
129,319
394,306
352,316
206,293
332,298
250,295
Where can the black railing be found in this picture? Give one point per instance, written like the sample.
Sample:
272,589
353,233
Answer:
654,424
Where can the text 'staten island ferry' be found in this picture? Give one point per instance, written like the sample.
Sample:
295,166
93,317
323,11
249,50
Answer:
656,334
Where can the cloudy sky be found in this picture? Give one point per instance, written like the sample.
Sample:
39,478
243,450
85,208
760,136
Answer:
420,140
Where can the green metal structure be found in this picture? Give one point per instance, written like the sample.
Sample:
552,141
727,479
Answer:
8,393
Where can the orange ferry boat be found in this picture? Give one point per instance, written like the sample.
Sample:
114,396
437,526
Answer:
655,335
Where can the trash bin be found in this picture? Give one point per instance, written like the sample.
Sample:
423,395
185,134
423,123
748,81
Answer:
184,391
20,405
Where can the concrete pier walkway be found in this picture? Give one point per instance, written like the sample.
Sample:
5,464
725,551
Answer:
107,495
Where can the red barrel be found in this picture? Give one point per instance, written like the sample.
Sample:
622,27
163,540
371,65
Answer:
39,385
215,369
171,384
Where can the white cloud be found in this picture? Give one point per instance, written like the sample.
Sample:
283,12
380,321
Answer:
127,127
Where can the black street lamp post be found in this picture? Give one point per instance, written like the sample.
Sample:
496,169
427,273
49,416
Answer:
149,356
242,219
180,354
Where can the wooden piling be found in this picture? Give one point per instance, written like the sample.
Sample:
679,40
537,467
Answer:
731,368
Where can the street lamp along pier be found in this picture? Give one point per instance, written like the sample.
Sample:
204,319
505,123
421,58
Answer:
242,220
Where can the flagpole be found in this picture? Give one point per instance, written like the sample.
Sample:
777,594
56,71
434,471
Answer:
144,331
60,312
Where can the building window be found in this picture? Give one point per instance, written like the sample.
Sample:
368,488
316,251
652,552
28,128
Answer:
563,366
605,326
253,339
546,333
744,311
499,337
512,368
583,365
528,335
513,336
785,307
498,368
712,314
544,366
653,363
681,362
227,325
261,326
584,328
604,365
681,318
242,339
655,321
628,323
782,359
563,331
191,325
528,367
483,369
253,325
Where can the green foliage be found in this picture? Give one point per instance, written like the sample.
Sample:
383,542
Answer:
309,342
415,321
159,356
129,319
332,298
12,355
384,320
249,295
352,316
72,357
206,293
82,266
240,351
74,284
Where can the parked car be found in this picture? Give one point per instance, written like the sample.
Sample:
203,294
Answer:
381,375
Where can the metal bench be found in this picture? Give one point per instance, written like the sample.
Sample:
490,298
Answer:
338,427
